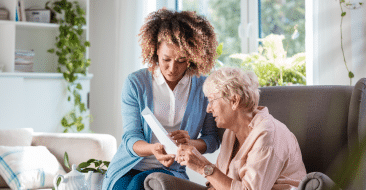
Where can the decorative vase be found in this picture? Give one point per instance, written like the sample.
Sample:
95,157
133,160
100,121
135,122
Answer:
96,181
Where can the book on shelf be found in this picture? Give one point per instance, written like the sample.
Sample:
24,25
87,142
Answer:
23,68
22,10
23,60
17,13
4,14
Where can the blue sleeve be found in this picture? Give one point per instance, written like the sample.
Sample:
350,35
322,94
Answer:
209,133
131,117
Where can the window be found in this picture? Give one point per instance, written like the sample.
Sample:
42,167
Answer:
239,24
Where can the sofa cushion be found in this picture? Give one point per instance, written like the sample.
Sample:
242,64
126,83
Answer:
15,137
28,167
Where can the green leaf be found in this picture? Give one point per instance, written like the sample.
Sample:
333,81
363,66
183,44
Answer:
86,170
64,122
58,182
351,75
91,160
66,160
87,44
106,163
73,116
219,49
98,163
83,165
69,98
51,50
78,86
343,14
66,76
80,127
82,107
100,170
80,31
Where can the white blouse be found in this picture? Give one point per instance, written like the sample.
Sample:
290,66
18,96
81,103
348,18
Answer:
169,109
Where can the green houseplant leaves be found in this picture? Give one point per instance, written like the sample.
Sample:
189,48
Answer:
71,49
97,166
271,64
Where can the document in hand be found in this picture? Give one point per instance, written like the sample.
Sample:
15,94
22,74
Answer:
159,131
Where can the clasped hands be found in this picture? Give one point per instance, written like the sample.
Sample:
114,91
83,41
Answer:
186,155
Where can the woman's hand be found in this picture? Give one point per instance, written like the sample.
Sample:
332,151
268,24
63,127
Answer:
159,152
189,156
180,137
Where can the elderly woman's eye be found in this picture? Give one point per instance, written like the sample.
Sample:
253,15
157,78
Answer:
182,61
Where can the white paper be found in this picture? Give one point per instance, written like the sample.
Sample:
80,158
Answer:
159,131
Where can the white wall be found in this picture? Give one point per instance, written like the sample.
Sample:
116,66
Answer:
37,101
114,53
328,65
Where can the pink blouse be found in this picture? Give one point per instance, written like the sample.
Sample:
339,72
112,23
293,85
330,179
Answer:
270,157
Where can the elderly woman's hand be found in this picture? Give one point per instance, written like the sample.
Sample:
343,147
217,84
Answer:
189,156
159,152
180,137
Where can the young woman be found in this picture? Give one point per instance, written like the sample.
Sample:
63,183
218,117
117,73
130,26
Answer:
178,47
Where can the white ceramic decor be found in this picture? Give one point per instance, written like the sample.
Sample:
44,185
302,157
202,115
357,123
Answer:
74,180
96,181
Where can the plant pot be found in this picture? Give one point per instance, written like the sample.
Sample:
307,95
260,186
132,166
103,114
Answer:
96,181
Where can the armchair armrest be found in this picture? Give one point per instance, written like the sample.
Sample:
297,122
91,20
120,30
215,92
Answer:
79,146
317,181
162,181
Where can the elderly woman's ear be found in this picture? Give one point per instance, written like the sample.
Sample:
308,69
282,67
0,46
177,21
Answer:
235,102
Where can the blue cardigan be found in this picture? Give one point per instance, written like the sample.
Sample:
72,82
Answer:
136,95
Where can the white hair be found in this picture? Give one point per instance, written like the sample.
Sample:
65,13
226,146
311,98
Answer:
230,81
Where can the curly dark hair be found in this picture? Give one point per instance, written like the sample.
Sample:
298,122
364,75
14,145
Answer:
190,32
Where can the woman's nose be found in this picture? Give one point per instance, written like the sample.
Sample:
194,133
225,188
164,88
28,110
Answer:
173,66
208,109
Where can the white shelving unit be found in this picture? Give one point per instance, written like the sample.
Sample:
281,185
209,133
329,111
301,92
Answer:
32,36
35,99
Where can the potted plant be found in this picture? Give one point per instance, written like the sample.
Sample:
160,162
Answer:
99,168
72,62
271,64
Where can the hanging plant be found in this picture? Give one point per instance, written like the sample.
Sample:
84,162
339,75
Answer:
343,14
72,63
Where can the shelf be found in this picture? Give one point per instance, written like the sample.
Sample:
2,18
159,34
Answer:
40,75
36,25
2,22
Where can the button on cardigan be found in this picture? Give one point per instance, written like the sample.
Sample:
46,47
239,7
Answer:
136,95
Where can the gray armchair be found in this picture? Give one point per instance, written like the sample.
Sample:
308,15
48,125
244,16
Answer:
326,120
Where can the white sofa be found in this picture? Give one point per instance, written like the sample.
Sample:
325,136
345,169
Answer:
79,146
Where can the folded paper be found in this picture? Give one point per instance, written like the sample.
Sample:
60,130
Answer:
159,131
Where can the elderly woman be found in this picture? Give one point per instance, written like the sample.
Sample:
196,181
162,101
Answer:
257,151
178,48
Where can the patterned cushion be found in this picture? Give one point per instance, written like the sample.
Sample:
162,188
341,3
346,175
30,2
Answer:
15,137
28,167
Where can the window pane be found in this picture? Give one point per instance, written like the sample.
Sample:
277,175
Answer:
285,17
224,15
